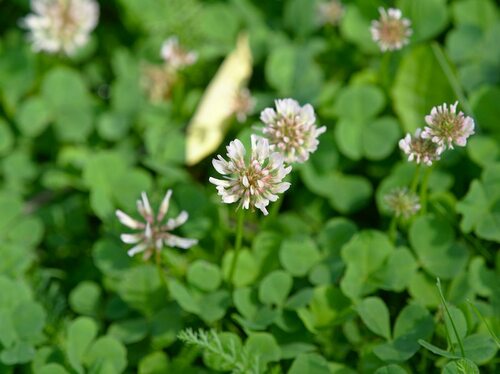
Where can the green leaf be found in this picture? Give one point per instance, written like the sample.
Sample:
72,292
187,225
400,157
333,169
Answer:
33,116
327,306
204,275
480,13
141,289
364,254
462,366
246,270
52,369
419,85
298,255
433,240
483,150
355,27
107,351
213,306
460,324
165,325
85,298
110,257
413,323
398,270
28,319
6,138
391,369
20,353
311,363
379,138
130,330
183,297
264,346
81,332
154,363
486,109
301,16
291,70
275,287
375,316
480,348
335,233
428,17
359,102
73,112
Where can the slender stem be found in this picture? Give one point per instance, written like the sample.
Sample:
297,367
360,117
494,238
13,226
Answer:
462,350
423,189
393,226
414,182
452,79
480,315
160,269
237,244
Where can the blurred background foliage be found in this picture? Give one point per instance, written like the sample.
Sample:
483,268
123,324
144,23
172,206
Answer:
320,288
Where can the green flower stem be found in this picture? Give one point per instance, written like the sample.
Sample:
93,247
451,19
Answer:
479,314
452,79
460,344
393,226
424,188
160,269
414,182
237,244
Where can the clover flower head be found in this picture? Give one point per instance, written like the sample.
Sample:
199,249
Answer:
419,149
153,233
243,104
157,82
254,183
402,203
391,31
446,127
291,129
61,25
330,12
175,55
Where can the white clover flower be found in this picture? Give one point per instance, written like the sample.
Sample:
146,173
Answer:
402,202
419,149
445,127
330,12
153,234
253,184
61,25
391,31
175,55
291,129
243,104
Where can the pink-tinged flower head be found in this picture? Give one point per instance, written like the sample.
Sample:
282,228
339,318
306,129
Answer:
446,127
330,12
391,31
254,183
61,25
402,203
153,232
419,149
175,55
291,129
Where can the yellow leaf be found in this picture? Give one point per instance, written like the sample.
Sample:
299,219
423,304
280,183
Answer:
206,130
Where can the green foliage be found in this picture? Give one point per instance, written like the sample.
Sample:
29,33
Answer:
329,281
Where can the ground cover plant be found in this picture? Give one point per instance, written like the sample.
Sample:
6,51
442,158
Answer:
249,186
